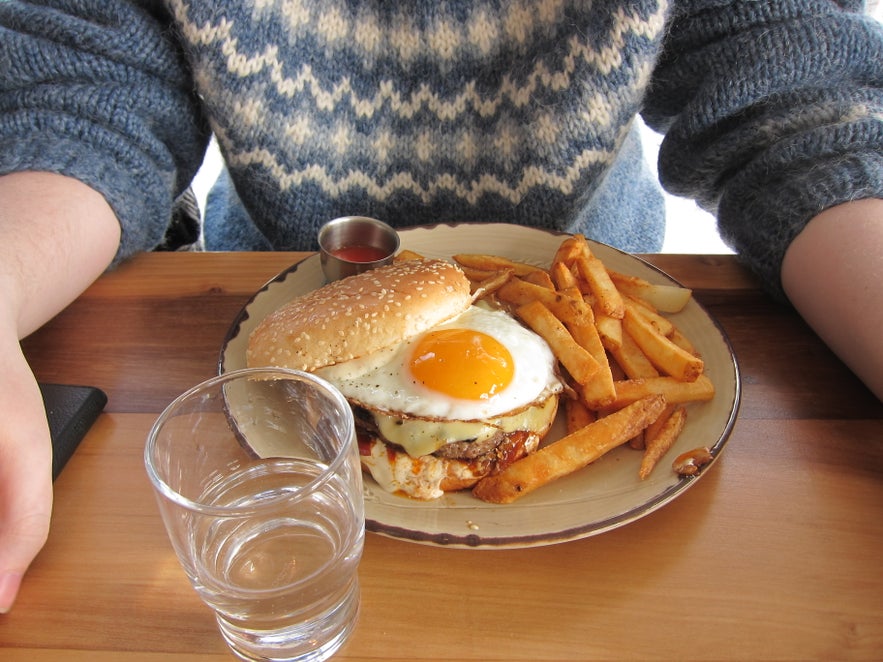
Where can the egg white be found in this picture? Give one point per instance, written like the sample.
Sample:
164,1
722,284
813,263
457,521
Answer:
383,380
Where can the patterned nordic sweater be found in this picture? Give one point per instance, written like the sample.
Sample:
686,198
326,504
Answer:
455,110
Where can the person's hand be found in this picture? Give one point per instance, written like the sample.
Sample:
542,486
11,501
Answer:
25,469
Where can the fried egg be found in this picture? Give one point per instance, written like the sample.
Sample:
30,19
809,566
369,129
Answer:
479,365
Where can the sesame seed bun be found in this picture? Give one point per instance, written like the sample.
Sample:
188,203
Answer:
356,316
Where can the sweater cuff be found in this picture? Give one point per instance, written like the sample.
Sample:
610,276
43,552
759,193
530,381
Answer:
768,204
140,196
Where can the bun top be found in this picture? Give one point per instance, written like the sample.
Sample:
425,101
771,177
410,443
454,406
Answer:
359,315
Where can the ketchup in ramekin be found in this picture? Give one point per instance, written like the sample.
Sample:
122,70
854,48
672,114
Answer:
359,253
352,244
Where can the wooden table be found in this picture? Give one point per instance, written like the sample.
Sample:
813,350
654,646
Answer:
774,554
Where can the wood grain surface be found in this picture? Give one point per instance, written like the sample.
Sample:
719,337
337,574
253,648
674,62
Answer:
773,555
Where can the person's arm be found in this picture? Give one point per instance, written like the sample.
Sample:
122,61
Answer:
56,236
769,122
832,274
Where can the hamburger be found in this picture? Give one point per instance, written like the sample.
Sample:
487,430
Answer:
445,391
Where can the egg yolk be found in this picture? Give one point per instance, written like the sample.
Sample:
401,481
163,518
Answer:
462,363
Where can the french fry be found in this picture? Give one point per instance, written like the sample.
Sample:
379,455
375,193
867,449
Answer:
675,391
580,364
609,328
570,249
654,428
518,292
662,352
562,276
657,446
595,273
541,278
577,414
584,288
478,275
491,284
666,298
406,254
649,313
579,320
632,360
570,453
616,370
494,263
637,442
601,391
627,284
682,341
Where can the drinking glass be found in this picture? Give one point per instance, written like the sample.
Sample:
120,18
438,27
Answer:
257,477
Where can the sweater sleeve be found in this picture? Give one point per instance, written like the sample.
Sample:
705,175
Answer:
99,91
773,112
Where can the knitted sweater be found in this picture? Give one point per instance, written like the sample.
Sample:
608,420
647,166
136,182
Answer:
456,110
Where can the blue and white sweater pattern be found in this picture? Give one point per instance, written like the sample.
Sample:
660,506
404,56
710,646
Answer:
478,110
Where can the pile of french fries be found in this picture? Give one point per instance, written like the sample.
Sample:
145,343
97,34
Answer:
629,371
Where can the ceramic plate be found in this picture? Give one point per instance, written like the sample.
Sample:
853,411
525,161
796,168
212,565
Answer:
605,495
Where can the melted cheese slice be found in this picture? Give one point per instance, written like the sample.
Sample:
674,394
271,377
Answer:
421,437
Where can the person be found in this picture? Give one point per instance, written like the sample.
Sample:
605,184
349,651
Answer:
421,113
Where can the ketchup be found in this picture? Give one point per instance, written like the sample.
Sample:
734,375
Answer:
359,253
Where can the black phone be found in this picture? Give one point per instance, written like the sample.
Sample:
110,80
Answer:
71,410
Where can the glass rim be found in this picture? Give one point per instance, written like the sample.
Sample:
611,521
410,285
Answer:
168,492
